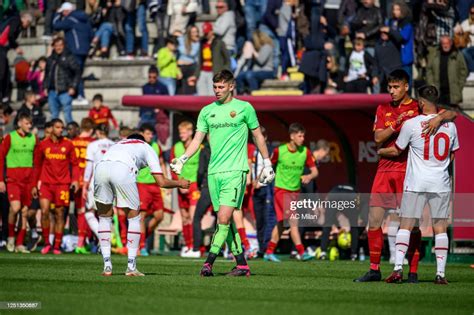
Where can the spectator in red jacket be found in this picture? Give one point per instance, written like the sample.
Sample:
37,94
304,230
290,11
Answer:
57,168
100,113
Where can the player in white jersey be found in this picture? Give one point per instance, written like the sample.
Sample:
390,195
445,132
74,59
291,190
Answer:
427,181
115,179
95,152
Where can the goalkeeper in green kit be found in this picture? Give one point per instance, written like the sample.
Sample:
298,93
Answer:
227,122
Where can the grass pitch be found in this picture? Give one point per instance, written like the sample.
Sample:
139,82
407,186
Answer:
71,284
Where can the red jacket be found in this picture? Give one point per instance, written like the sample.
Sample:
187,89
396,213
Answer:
54,161
102,116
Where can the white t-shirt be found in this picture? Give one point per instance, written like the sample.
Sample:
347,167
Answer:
428,158
356,66
135,153
95,152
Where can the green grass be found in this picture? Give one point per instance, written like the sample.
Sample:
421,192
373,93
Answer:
71,284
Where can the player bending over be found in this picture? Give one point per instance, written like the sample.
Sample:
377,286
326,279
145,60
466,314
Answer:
115,178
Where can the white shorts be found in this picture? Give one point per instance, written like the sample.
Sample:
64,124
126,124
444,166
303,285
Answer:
413,204
116,180
90,202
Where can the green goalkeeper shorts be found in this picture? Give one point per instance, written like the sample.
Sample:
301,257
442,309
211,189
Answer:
227,189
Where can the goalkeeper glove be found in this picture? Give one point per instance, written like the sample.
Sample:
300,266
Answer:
177,164
267,175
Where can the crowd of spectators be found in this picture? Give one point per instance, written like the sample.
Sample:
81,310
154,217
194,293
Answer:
338,45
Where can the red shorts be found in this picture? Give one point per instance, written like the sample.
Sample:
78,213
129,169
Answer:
20,192
150,198
281,198
56,194
189,199
387,190
80,203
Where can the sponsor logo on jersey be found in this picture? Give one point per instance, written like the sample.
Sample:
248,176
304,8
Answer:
233,114
224,125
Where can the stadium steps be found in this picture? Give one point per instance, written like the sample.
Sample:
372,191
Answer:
273,87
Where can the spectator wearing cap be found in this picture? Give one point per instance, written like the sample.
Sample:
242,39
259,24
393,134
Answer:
153,87
78,34
366,24
10,29
213,58
168,66
447,71
62,77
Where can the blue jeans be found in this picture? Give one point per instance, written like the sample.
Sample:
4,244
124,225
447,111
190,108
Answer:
252,79
141,18
469,56
81,60
276,46
104,33
56,102
253,11
130,31
170,84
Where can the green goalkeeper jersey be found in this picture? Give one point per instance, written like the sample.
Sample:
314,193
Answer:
228,127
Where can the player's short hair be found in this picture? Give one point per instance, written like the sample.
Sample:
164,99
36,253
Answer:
153,69
28,94
98,97
57,120
398,75
429,93
136,136
186,124
7,110
72,123
102,128
124,131
171,40
296,128
48,124
225,76
87,124
322,144
359,41
24,115
144,127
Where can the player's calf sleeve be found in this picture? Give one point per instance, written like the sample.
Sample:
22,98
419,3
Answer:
392,235
81,229
441,252
93,223
105,226
133,240
46,236
219,237
413,253
375,247
58,238
401,247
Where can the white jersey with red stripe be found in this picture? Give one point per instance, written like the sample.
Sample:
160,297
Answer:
134,153
95,152
428,156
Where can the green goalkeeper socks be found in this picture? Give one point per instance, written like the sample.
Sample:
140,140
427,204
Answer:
220,236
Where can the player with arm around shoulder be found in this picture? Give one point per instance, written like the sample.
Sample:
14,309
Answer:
427,181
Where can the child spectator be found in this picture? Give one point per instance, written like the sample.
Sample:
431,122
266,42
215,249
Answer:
35,78
100,113
32,108
167,65
361,68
